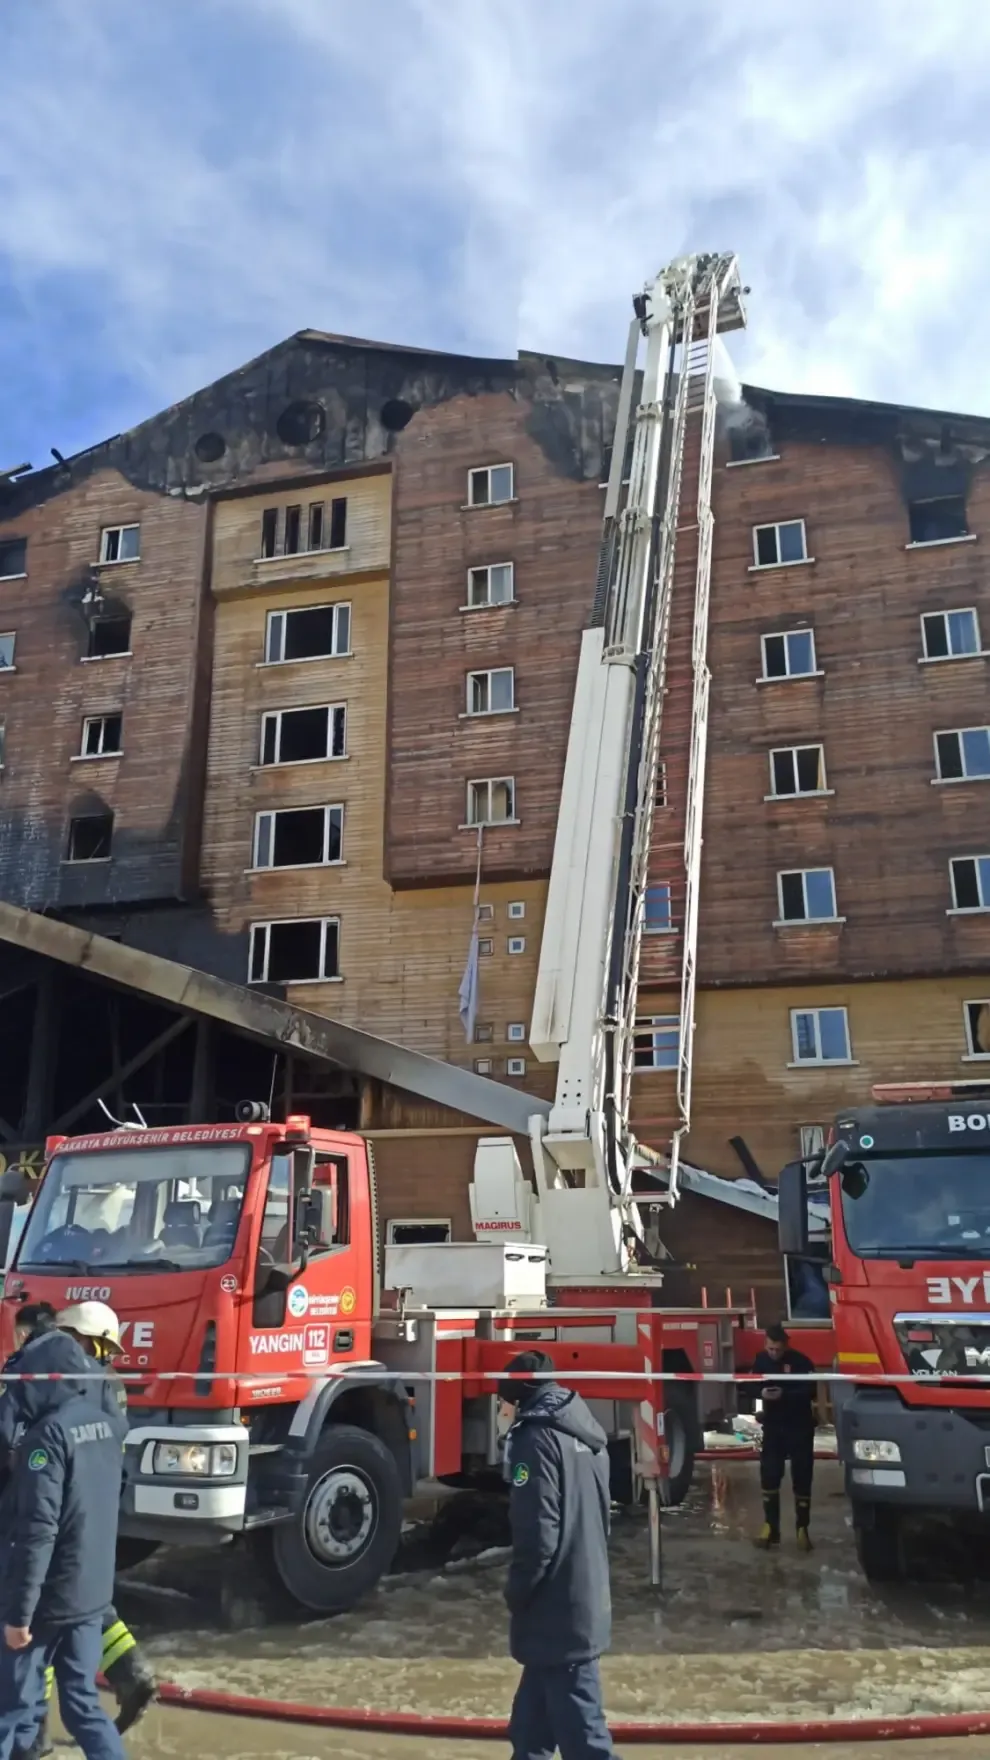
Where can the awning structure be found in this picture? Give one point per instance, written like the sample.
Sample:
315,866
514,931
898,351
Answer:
269,1020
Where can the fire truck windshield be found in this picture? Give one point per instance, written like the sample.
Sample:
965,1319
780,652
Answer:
138,1209
918,1206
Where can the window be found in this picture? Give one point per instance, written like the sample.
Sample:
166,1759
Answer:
102,736
298,951
120,544
293,519
515,1066
820,1035
963,754
775,545
299,837
483,1066
516,944
970,876
935,521
7,643
492,585
303,736
338,523
315,532
515,1032
977,1018
491,801
13,558
484,1032
486,947
812,1138
486,913
109,635
656,910
516,911
90,836
316,632
489,485
948,635
660,799
797,770
430,1232
790,655
807,895
491,693
269,531
657,1042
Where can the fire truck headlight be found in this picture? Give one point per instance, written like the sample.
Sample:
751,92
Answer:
866,1449
182,1457
223,1460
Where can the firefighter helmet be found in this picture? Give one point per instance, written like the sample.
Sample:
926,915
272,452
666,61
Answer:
92,1320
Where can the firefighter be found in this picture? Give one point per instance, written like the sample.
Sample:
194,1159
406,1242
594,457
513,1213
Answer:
789,1418
56,1577
557,1592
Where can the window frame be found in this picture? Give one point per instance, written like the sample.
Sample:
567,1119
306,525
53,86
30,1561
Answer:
776,525
106,532
973,1054
957,733
666,928
394,1222
515,944
75,819
115,653
820,1062
479,470
488,673
11,541
490,782
964,537
486,568
970,910
515,1067
100,721
515,1033
784,635
657,1027
807,1145
280,616
798,794
273,813
927,659
276,715
784,921
11,636
268,924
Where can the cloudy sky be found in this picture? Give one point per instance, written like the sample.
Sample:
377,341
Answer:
185,182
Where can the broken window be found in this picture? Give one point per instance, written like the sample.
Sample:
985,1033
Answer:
775,545
977,1018
789,655
657,1042
797,770
293,519
7,643
298,951
299,837
109,635
807,895
970,876
820,1035
13,558
656,910
90,837
120,544
491,801
417,1234
269,531
316,526
338,523
102,736
938,520
491,585
490,485
491,693
303,736
963,755
949,635
319,632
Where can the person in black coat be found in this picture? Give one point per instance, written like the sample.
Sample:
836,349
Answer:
557,1592
789,1418
56,1572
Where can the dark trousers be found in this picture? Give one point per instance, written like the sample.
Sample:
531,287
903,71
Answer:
74,1654
558,1708
788,1443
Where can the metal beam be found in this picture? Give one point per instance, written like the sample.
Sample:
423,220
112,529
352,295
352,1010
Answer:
120,1074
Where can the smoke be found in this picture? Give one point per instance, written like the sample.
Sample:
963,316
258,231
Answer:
747,425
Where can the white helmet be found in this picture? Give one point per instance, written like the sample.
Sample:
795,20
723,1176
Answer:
92,1320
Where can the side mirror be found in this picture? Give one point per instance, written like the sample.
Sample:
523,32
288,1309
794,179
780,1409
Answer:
834,1158
792,1209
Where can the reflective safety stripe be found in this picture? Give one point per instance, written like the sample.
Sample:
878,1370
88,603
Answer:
49,1683
117,1641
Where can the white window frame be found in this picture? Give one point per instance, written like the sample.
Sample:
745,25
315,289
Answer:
265,928
811,1139
820,1062
100,721
799,794
951,611
666,928
264,822
515,1066
784,635
7,543
774,525
486,947
515,1033
277,620
973,1053
486,568
516,910
657,1026
486,913
957,733
969,910
297,708
395,1222
488,673
9,635
784,921
516,944
106,533
481,470
88,861
490,782
484,1066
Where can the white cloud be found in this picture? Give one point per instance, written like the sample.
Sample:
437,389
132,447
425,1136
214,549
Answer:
500,173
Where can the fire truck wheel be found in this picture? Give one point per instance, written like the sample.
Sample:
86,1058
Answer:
879,1548
684,1438
348,1530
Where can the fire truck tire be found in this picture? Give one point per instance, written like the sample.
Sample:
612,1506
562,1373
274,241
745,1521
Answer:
879,1547
684,1438
347,1532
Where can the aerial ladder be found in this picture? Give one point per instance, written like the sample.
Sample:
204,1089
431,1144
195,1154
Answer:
591,1176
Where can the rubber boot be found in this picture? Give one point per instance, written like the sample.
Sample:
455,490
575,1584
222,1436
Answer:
40,1747
133,1686
770,1532
802,1507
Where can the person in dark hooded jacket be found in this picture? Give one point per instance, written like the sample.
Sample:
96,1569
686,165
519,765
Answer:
558,1593
59,1540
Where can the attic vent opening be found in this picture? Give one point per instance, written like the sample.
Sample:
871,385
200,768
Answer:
396,414
210,447
301,423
